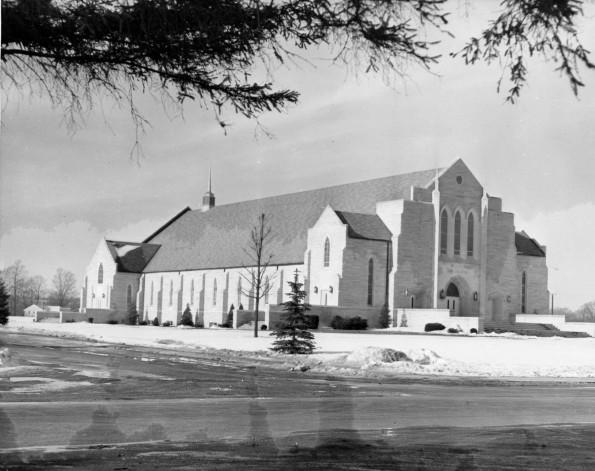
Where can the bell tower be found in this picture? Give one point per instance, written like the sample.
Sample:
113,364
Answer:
208,199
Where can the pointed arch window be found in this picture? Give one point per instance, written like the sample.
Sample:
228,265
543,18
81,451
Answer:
470,234
215,292
129,296
524,293
152,293
370,282
192,292
239,290
171,292
100,274
267,288
327,252
443,232
458,233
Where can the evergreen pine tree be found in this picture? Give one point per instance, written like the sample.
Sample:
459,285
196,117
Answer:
187,317
384,318
292,331
4,310
132,316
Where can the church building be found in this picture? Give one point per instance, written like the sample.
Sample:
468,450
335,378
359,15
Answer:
428,240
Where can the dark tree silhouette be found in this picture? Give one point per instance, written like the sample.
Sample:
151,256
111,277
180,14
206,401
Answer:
292,331
4,309
209,50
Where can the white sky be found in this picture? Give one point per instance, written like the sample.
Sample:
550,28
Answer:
59,193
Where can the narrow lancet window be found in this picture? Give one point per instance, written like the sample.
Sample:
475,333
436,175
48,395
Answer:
327,252
370,282
524,293
458,233
470,229
443,232
100,274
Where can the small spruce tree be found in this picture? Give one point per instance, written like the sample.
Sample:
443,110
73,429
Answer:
404,319
4,309
132,316
187,317
292,331
384,318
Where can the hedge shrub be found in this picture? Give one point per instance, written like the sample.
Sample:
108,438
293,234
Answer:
433,326
349,323
312,321
155,322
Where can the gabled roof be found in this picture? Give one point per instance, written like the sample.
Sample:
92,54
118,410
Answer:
131,257
33,307
364,226
217,238
525,245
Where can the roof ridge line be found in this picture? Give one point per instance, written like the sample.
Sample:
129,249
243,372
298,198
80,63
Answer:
322,188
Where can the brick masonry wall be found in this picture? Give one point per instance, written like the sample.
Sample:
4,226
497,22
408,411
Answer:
414,255
537,294
354,282
204,306
501,263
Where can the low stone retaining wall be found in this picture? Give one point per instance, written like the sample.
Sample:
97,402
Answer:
416,320
326,313
43,315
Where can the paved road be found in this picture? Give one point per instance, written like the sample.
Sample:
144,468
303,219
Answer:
66,402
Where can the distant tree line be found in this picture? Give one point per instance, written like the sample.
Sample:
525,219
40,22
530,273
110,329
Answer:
585,313
25,290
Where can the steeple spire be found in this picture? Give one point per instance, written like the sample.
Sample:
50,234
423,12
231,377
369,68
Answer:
208,199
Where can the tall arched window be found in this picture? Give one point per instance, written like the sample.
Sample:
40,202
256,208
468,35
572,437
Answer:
129,296
327,252
267,288
443,232
470,229
192,292
151,293
171,292
100,274
239,291
370,282
458,233
524,293
214,292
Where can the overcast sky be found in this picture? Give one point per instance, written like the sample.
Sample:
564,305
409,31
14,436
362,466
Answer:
60,193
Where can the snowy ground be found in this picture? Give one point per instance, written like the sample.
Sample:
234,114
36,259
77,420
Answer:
361,354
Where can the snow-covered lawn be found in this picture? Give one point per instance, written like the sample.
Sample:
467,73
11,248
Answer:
357,354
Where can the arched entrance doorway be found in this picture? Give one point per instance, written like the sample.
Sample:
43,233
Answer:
453,299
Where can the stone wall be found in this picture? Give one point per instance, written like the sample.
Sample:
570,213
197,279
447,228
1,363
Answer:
537,294
354,282
416,320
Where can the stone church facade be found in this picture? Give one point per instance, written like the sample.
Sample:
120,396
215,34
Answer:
425,240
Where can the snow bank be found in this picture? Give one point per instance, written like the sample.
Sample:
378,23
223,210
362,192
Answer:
364,353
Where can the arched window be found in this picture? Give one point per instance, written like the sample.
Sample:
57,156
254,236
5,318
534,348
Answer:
470,229
214,292
524,293
327,252
370,282
267,288
129,296
458,233
100,274
151,293
443,232
452,291
239,290
171,292
192,292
